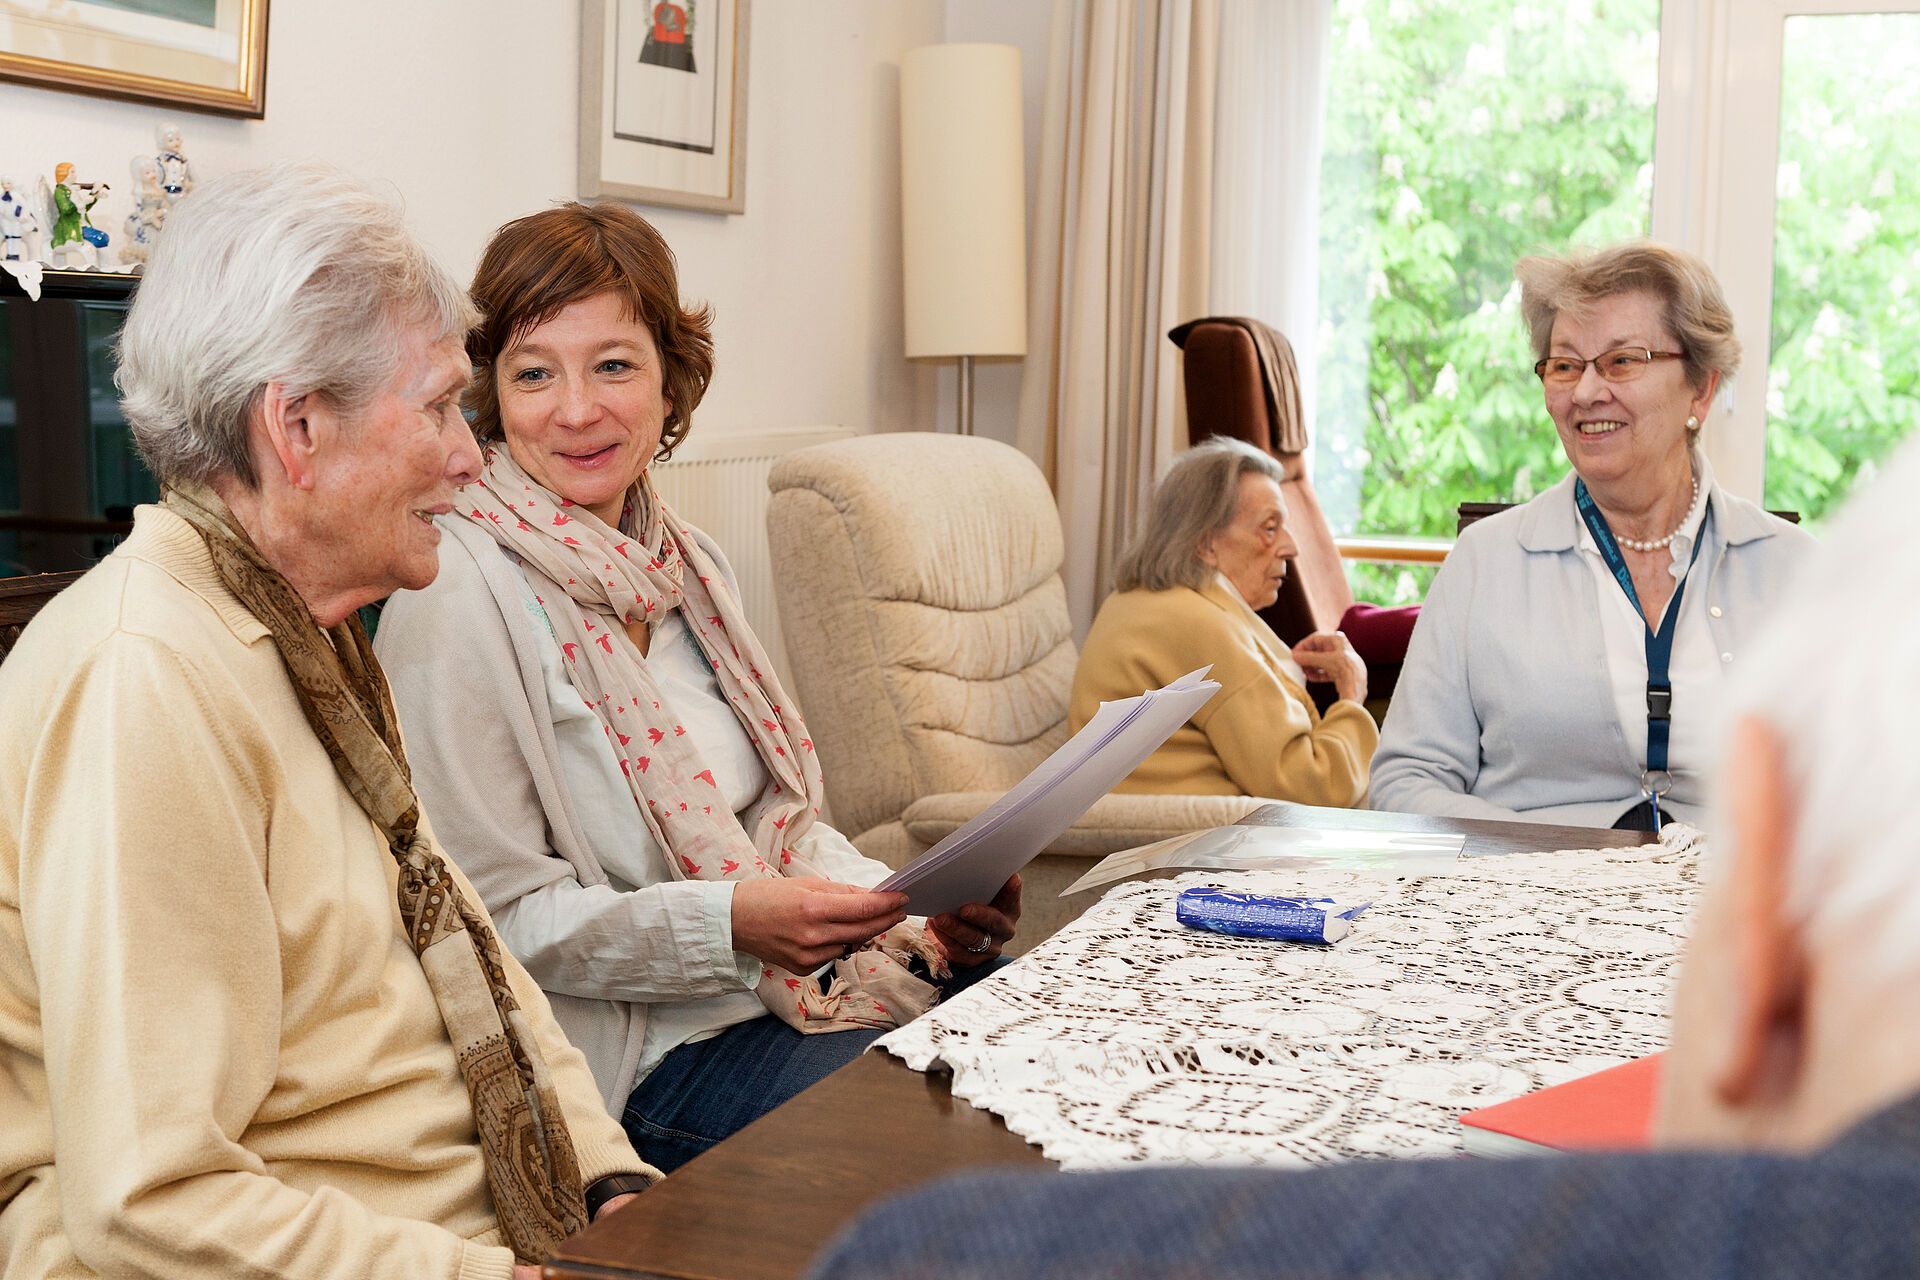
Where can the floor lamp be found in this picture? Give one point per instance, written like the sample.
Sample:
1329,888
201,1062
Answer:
963,199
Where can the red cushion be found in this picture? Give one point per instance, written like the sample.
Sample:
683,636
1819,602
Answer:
1380,635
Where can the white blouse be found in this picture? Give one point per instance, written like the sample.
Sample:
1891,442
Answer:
1696,670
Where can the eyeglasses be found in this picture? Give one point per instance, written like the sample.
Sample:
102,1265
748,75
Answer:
1623,364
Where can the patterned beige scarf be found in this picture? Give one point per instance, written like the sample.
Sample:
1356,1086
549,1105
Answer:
591,579
532,1171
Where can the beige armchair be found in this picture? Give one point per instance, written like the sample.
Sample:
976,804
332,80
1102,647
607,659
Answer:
918,579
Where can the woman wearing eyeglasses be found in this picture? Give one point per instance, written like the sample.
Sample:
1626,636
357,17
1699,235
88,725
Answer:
1570,650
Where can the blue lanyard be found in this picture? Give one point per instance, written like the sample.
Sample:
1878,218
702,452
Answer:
1659,644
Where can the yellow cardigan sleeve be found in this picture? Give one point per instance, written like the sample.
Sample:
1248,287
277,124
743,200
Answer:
1270,745
1260,730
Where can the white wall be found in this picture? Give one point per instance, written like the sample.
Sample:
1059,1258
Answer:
1027,24
470,108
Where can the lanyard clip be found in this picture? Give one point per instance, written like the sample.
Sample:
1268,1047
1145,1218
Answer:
1659,702
1655,784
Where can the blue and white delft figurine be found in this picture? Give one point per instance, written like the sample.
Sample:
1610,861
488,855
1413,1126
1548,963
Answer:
19,228
176,174
149,211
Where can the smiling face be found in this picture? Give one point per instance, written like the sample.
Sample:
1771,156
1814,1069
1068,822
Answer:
1253,550
391,469
1615,431
581,402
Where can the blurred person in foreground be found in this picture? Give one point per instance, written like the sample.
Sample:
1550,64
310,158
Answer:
252,1021
1570,651
1215,549
1789,1121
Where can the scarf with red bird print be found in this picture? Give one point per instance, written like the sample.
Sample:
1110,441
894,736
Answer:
592,579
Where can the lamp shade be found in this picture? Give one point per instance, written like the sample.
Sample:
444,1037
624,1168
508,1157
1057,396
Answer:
963,195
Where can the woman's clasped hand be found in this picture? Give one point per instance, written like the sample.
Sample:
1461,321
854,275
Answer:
1329,656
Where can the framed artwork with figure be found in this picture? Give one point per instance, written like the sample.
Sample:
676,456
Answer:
663,102
209,55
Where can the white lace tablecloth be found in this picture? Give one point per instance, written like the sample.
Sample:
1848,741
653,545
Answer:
1128,1038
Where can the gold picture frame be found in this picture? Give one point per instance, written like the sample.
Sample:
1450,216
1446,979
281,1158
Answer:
663,102
205,55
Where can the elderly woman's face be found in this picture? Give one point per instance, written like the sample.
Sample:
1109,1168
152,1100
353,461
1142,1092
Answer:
582,403
398,465
1615,431
1253,550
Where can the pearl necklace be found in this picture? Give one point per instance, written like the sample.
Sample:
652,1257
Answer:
1637,545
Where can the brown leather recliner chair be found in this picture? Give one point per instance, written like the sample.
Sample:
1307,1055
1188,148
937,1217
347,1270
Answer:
1241,381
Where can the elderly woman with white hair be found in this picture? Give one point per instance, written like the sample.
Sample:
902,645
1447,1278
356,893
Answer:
1214,550
252,1021
1570,650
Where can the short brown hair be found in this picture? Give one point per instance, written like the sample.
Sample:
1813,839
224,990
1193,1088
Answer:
1695,309
538,265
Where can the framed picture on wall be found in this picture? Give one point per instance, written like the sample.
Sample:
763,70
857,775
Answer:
663,102
209,55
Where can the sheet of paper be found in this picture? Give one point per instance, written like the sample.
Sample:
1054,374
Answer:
1268,848
971,864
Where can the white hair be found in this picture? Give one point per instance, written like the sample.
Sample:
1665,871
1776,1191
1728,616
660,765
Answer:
1837,676
293,274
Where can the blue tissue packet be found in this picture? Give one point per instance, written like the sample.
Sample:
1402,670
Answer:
1253,915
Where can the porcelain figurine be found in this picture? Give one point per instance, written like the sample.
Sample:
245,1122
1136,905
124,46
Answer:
19,228
73,229
149,211
176,173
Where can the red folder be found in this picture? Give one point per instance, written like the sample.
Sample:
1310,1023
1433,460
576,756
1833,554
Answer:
1611,1109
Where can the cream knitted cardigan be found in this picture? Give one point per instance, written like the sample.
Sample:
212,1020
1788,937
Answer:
210,1024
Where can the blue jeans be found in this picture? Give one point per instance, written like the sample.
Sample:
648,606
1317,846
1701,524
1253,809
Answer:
702,1092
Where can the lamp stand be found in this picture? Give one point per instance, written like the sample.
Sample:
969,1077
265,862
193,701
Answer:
966,395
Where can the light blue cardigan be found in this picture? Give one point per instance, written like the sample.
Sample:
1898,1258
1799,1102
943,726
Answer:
1504,708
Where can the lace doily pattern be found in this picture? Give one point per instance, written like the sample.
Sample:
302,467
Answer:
1129,1039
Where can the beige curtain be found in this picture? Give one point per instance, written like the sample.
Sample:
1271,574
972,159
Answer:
1271,90
1120,254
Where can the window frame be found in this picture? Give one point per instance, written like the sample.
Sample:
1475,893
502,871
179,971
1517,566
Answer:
1715,171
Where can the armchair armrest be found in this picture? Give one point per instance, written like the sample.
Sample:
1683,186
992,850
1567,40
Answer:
1115,822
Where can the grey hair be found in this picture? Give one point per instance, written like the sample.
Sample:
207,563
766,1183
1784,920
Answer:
1197,497
1837,676
1692,304
294,274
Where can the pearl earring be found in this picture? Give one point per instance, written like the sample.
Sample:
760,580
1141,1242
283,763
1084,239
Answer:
1693,423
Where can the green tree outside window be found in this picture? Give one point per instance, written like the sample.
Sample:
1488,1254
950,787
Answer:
1461,135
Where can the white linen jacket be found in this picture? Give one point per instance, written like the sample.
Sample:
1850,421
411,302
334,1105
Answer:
463,660
1505,708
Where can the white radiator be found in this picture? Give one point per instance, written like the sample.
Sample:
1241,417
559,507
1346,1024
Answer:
717,481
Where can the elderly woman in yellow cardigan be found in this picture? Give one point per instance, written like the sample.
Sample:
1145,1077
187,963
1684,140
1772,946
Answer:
1215,549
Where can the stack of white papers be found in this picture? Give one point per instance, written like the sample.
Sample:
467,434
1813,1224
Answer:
971,864
1241,848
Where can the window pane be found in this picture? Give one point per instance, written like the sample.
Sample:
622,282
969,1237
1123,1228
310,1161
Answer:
1461,135
1843,382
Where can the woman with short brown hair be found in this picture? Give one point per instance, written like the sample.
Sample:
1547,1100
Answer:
602,739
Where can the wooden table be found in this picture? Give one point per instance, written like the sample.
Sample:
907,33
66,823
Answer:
760,1205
